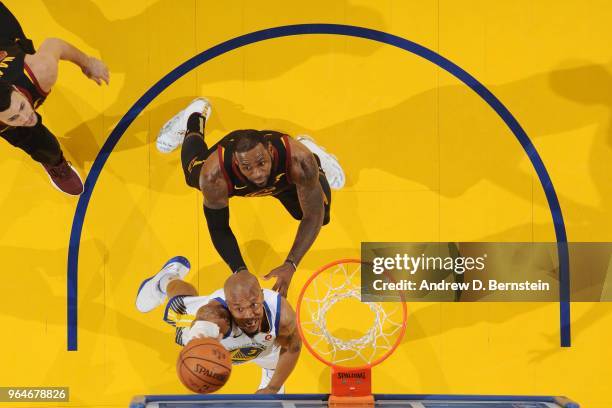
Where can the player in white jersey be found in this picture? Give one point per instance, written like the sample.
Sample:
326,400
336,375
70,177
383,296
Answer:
254,324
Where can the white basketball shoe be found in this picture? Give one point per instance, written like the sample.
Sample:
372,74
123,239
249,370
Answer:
329,162
172,133
150,293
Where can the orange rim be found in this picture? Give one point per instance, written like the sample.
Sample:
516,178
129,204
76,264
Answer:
314,353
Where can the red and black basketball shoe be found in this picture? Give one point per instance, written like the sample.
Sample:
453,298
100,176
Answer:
65,178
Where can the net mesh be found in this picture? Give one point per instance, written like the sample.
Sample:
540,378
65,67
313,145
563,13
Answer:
346,343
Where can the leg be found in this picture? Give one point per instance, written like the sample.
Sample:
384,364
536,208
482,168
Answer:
171,135
289,199
326,196
153,291
178,287
179,313
291,202
194,150
37,141
10,29
44,148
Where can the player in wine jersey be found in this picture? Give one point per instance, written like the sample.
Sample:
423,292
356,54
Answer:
254,163
254,324
26,78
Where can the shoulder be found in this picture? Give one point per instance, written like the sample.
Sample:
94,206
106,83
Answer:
212,179
44,63
303,167
44,68
211,169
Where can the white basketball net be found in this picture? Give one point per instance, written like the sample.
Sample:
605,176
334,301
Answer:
338,283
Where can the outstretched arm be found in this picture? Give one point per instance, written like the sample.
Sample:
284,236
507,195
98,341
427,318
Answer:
291,344
305,173
216,211
44,63
212,320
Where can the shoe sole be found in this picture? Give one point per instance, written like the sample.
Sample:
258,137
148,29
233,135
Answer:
182,121
330,157
180,259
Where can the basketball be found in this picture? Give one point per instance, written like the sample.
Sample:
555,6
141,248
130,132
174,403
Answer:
204,365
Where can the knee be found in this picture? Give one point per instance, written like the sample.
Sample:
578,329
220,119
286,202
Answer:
192,174
192,181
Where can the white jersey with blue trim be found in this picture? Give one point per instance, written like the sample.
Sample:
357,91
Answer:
181,312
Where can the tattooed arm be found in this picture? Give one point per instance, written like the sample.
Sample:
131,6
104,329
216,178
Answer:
291,344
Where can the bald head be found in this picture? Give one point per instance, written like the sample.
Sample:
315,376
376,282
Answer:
245,299
240,286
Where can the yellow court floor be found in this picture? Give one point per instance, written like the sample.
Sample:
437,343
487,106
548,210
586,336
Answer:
426,160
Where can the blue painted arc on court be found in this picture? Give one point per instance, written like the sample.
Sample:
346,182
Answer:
309,29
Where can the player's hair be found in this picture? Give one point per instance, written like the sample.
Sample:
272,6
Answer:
6,90
246,139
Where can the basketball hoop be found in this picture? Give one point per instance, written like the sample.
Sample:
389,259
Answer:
351,356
